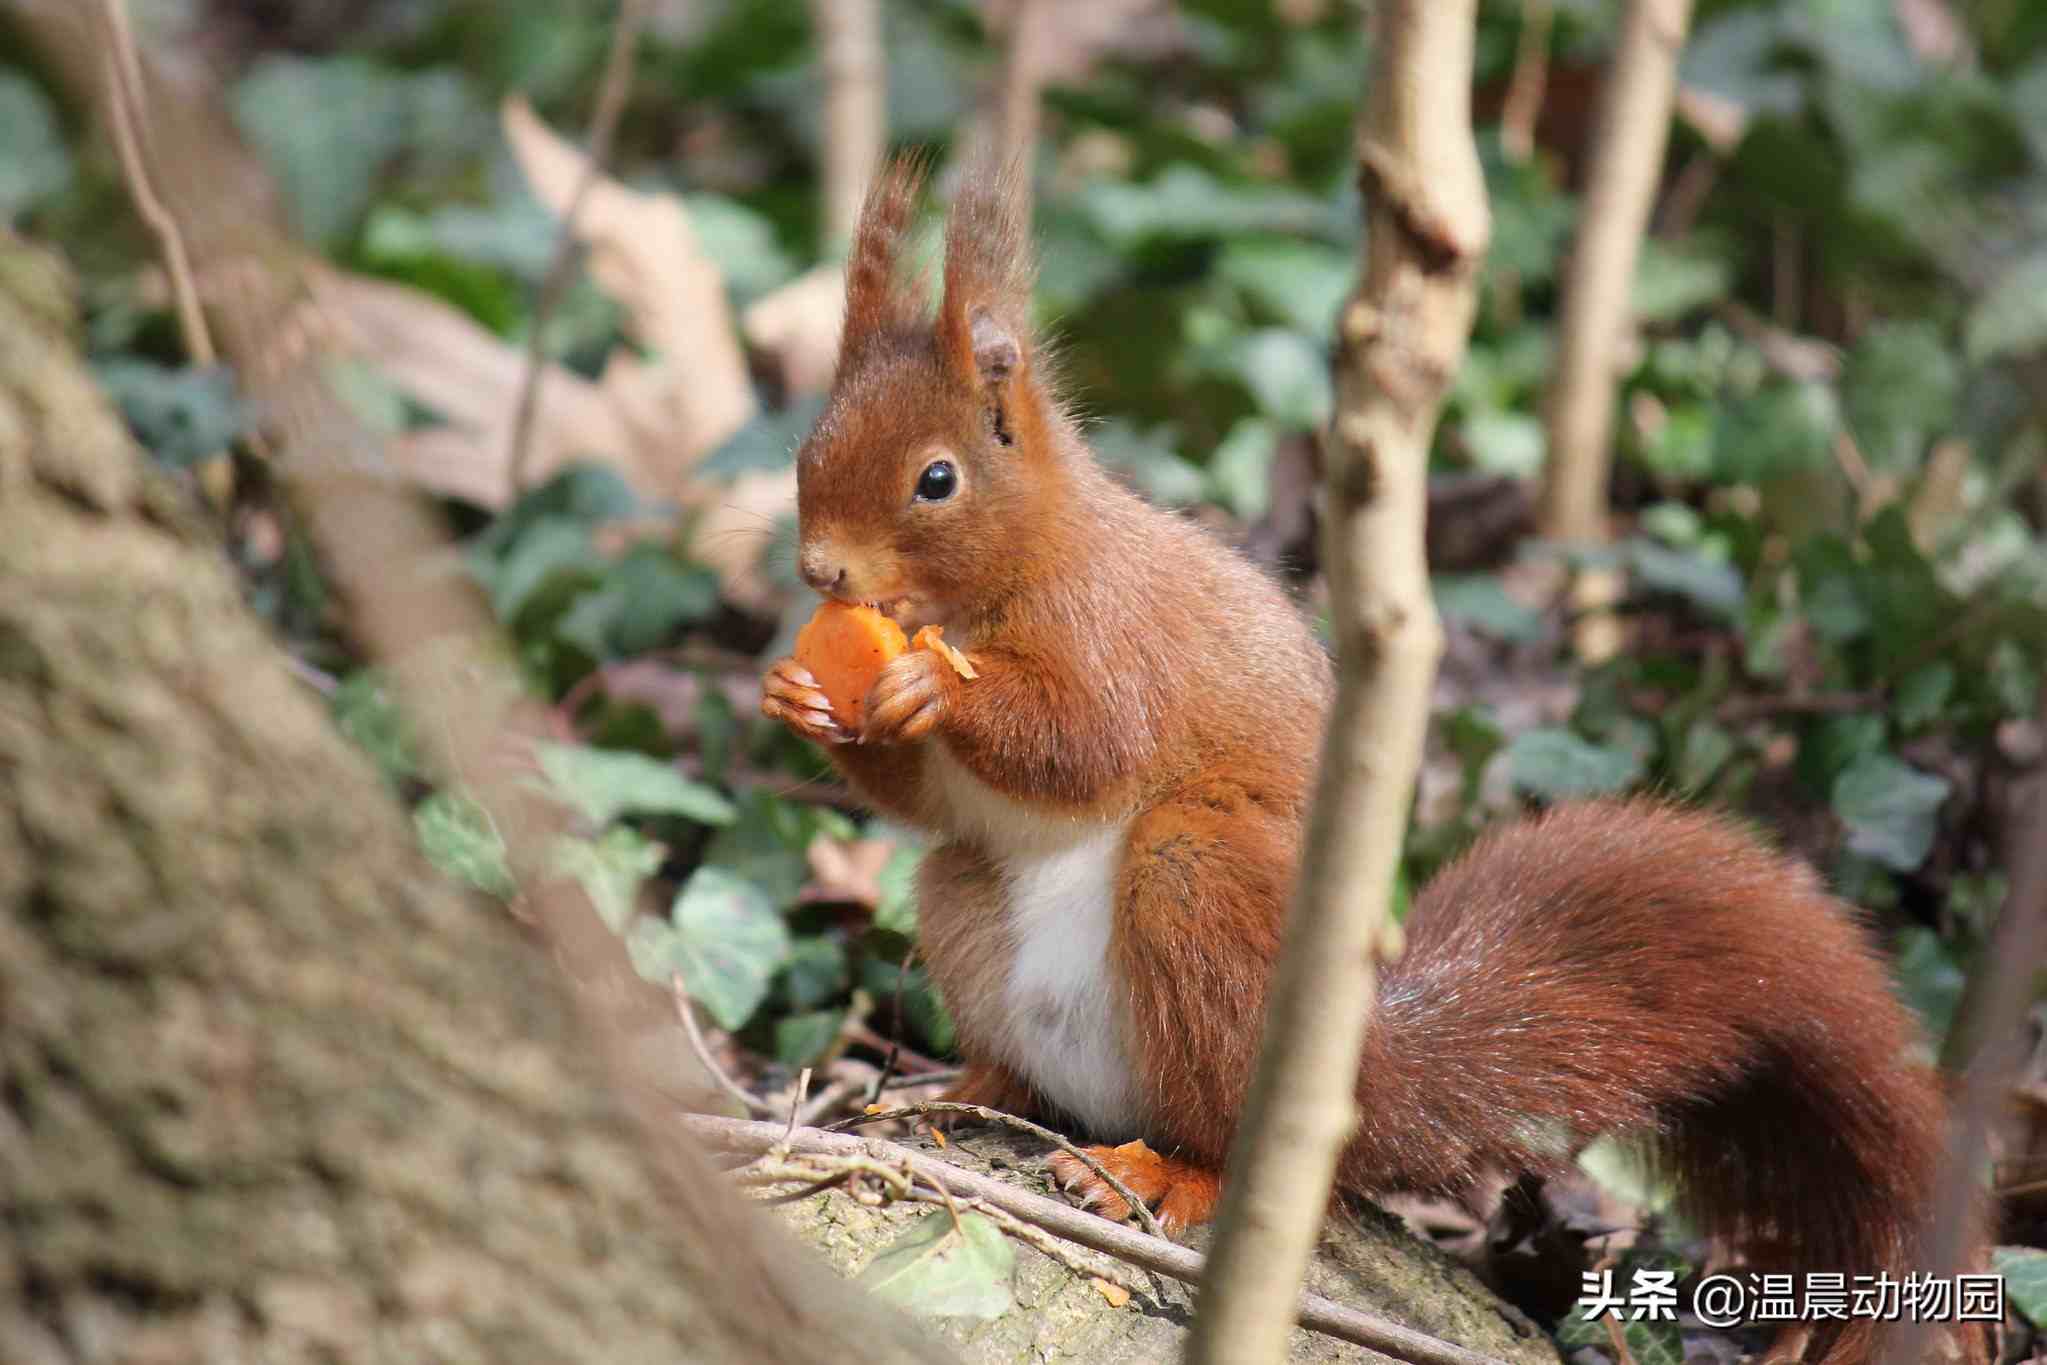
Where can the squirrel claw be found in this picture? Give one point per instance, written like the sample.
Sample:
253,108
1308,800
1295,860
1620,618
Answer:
909,698
1181,1193
791,695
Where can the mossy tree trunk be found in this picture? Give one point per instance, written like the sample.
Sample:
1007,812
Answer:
270,1090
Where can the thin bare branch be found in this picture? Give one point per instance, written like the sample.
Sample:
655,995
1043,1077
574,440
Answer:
127,115
1400,338
855,106
612,89
1627,162
686,1011
1125,1243
982,1112
1987,1047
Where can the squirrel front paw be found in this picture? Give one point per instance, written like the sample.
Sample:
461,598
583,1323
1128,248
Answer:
791,695
1180,1193
911,696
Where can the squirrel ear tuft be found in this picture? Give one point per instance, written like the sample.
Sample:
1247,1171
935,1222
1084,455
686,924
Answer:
996,353
984,322
881,297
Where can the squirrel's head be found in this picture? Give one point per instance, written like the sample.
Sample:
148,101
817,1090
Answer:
927,486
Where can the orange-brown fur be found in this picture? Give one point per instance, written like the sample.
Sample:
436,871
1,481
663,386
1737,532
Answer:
1610,967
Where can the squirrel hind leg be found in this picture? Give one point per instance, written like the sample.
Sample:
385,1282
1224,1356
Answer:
1182,1194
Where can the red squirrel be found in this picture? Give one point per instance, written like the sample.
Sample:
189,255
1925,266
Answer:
1116,803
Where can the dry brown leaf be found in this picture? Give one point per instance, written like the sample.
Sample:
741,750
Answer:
1116,1294
847,870
445,360
651,419
643,252
797,328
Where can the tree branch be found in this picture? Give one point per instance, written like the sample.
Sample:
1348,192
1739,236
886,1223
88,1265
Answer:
1627,162
1401,337
1990,1024
855,106
1079,1226
613,87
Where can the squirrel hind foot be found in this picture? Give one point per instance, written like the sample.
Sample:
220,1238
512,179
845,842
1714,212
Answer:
1181,1194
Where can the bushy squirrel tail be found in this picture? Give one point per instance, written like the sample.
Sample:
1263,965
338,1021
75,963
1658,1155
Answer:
1640,969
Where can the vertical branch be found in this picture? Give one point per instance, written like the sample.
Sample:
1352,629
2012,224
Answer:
855,106
128,120
1401,338
1523,109
1627,158
1991,1025
1023,81
612,89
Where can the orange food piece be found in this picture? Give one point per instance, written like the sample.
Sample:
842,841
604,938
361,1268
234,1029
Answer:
845,648
929,638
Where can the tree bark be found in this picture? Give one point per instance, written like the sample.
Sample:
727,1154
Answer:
270,1089
1400,339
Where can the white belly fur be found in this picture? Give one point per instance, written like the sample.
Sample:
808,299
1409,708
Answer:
1064,1017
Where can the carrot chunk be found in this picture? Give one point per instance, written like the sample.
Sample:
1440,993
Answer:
845,648
931,638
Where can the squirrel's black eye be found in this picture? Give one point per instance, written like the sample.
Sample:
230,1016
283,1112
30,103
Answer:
937,482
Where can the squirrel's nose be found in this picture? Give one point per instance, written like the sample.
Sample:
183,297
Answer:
826,578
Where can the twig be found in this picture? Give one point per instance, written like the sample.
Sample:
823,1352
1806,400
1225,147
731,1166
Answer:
613,87
1735,710
1627,161
825,1171
1401,335
125,101
1022,1125
1125,1243
1020,96
796,1104
852,57
907,1059
686,1010
1993,1009
1525,90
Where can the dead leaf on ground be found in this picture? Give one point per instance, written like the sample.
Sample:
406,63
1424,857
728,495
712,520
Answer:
847,870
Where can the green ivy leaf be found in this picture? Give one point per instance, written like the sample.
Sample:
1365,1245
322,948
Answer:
611,869
1929,978
1504,442
1900,387
34,163
1706,750
1556,764
817,972
182,414
897,911
1287,374
768,442
365,713
2025,1280
1298,282
938,1270
603,784
460,840
1922,694
1478,600
1672,280
2011,316
723,938
801,1039
1891,809
1238,470
1709,583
